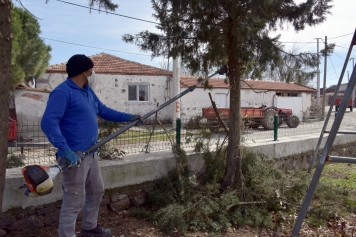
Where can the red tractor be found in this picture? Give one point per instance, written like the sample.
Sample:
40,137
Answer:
286,115
338,102
252,117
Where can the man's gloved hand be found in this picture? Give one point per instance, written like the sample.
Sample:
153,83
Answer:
136,117
72,158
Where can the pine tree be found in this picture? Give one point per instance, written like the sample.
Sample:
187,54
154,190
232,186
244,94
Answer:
209,33
30,56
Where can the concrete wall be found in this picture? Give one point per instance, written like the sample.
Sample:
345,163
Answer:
138,169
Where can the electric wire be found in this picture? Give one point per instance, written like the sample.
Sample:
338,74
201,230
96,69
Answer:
94,47
19,1
91,8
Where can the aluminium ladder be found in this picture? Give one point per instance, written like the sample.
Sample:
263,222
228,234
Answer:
329,142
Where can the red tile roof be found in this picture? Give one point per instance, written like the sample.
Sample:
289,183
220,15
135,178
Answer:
109,64
251,84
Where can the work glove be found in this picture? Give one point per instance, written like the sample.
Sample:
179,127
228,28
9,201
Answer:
136,117
72,158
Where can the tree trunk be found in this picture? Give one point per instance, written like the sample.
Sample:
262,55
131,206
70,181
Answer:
233,156
5,65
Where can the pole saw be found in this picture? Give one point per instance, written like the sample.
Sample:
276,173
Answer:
39,178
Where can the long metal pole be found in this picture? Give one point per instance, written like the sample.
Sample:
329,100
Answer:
318,74
353,42
329,142
221,71
324,84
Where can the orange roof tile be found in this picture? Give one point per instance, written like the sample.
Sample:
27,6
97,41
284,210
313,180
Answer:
252,84
109,64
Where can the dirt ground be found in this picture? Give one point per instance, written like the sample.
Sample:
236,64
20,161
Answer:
124,225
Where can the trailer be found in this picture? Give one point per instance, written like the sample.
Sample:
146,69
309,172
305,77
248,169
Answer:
252,117
12,131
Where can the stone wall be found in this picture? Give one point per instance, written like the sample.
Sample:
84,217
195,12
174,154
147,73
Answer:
21,220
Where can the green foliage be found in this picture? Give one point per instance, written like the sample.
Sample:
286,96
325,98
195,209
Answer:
30,56
208,34
186,203
215,164
14,161
266,197
106,4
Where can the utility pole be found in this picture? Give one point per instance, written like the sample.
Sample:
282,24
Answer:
318,74
324,88
353,92
176,89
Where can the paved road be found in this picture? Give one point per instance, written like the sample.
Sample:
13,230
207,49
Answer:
309,127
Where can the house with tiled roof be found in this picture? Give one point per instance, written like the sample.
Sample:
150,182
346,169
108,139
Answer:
254,93
137,88
121,84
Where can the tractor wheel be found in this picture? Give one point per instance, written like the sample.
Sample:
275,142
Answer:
268,119
214,127
254,126
280,121
293,121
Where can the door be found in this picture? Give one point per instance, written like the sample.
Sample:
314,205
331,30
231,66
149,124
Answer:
221,100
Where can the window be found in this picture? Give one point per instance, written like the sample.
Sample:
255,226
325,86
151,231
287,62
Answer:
138,92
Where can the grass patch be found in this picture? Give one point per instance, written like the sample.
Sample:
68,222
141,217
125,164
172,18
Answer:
340,174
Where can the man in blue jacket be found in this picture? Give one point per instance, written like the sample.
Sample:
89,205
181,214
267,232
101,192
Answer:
70,124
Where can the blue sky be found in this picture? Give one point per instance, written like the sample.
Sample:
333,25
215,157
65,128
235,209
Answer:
68,29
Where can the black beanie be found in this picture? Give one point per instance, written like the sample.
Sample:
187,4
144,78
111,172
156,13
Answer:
77,64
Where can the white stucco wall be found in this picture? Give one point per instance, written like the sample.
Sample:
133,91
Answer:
30,105
193,102
256,98
109,89
306,104
112,90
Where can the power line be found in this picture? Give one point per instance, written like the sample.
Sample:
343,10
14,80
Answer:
138,19
134,18
341,36
19,1
94,47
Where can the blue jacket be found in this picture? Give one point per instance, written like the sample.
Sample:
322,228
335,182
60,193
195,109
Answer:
70,118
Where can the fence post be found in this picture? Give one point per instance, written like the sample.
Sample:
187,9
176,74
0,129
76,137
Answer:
275,128
178,130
